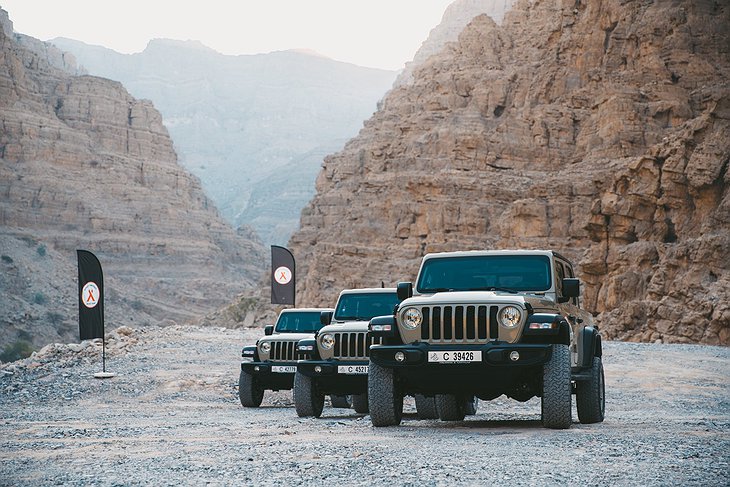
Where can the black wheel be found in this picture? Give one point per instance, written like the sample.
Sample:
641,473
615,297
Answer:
556,391
360,403
307,400
384,397
471,404
590,396
340,402
249,391
450,407
426,407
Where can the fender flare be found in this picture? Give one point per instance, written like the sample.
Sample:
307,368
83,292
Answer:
589,346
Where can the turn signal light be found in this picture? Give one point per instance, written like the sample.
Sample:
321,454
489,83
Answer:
380,328
543,326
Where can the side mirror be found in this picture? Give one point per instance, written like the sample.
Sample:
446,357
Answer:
269,330
325,317
571,287
404,290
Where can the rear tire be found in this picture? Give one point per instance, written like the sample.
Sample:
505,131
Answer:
450,407
426,407
556,390
360,403
308,401
342,402
590,396
384,397
471,404
249,391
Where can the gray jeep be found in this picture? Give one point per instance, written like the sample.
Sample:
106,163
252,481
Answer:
335,361
271,363
488,323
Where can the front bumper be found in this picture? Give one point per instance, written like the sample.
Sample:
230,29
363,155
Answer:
270,375
336,376
495,373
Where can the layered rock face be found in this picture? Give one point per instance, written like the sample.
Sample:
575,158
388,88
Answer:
600,129
455,18
85,165
254,129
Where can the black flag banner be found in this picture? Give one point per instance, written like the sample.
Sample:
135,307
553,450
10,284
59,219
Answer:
283,282
91,296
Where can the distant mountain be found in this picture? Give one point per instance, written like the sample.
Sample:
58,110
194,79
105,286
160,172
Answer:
241,122
83,164
457,15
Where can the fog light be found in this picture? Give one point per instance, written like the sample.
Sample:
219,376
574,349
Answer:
317,369
256,368
514,355
400,356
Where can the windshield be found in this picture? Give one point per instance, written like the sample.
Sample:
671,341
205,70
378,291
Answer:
363,307
298,322
485,272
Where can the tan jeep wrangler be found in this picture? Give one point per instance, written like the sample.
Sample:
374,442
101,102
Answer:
271,363
488,323
335,362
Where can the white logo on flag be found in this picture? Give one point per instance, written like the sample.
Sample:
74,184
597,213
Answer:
90,294
282,275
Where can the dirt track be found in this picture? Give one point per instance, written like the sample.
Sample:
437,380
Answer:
172,417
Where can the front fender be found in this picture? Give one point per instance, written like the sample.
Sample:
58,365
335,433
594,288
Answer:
250,353
589,346
307,347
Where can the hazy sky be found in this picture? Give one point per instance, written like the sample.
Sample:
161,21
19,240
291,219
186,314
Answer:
375,33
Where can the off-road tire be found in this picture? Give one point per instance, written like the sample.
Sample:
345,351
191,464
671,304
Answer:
590,395
308,401
450,407
360,403
249,391
426,407
471,404
342,402
385,398
556,389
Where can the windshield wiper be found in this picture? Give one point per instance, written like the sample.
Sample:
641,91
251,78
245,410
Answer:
493,288
348,318
438,290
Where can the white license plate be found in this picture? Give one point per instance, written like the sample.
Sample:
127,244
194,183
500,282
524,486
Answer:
352,369
284,369
455,356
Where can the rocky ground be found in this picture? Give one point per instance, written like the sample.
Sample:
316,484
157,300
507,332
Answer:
172,416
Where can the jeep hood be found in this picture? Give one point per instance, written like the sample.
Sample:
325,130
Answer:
346,326
479,297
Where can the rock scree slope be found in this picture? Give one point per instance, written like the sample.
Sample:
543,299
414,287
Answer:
85,165
173,416
600,129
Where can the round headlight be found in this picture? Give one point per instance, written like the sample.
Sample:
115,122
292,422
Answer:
327,341
265,347
412,318
510,316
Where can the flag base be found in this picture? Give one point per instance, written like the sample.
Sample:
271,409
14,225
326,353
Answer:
104,375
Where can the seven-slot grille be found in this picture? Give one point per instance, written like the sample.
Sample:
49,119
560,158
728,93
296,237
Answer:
352,345
284,350
459,324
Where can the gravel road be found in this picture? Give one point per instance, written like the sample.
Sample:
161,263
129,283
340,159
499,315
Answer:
172,417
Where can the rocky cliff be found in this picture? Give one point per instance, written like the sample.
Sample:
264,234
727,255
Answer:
247,126
597,128
85,165
457,15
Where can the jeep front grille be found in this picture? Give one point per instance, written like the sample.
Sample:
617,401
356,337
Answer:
459,324
284,351
354,345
